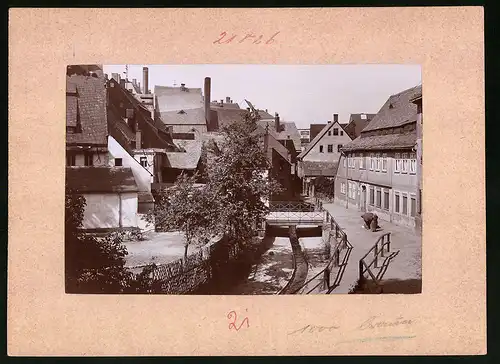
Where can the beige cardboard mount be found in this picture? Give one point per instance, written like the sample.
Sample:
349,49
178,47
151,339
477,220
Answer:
448,317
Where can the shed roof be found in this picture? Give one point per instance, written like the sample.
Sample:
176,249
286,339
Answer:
383,142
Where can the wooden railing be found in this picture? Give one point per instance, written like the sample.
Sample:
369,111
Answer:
382,249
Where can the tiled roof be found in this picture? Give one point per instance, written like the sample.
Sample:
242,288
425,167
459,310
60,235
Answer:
188,159
152,137
86,97
315,129
287,129
174,99
100,179
311,168
357,124
228,116
397,111
382,142
264,114
184,117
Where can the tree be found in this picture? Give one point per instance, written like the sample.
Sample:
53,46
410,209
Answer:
237,176
97,264
188,208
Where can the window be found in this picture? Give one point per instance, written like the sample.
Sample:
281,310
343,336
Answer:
118,162
339,147
379,197
342,188
341,132
70,129
386,200
413,206
397,163
384,162
361,161
330,148
352,190
377,165
405,205
363,116
396,202
335,131
413,163
329,133
89,159
70,159
404,169
321,149
372,162
420,201
372,196
344,162
144,162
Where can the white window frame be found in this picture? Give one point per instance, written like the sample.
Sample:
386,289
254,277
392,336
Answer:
344,162
384,191
404,167
397,193
361,161
412,196
377,163
413,163
405,194
384,162
397,163
377,190
372,162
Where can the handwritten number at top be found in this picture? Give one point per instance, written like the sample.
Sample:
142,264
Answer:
249,38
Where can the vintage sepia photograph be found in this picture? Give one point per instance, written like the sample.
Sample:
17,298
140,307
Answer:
243,179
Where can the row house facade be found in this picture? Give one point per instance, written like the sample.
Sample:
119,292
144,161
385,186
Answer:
379,171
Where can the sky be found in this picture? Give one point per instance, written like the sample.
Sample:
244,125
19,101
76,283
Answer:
302,94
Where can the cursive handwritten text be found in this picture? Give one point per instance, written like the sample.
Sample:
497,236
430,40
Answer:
374,323
309,329
225,38
232,325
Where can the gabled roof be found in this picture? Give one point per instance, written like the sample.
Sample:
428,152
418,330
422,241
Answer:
176,98
317,139
264,114
86,105
288,130
101,179
357,124
184,117
397,111
228,116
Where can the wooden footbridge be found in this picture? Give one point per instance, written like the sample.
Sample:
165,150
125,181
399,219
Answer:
295,213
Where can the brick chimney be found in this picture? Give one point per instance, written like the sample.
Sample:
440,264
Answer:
122,82
228,99
277,122
134,81
207,96
335,118
145,79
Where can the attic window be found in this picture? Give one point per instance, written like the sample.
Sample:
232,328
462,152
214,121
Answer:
391,106
363,116
181,112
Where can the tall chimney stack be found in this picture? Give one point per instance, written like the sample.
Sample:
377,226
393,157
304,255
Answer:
228,99
207,96
335,118
277,122
145,83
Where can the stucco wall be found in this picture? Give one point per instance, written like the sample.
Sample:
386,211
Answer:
103,210
142,177
99,159
315,154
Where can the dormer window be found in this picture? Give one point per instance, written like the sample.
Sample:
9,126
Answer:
181,112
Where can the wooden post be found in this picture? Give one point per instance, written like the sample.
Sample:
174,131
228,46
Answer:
361,277
326,277
388,242
336,258
376,255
